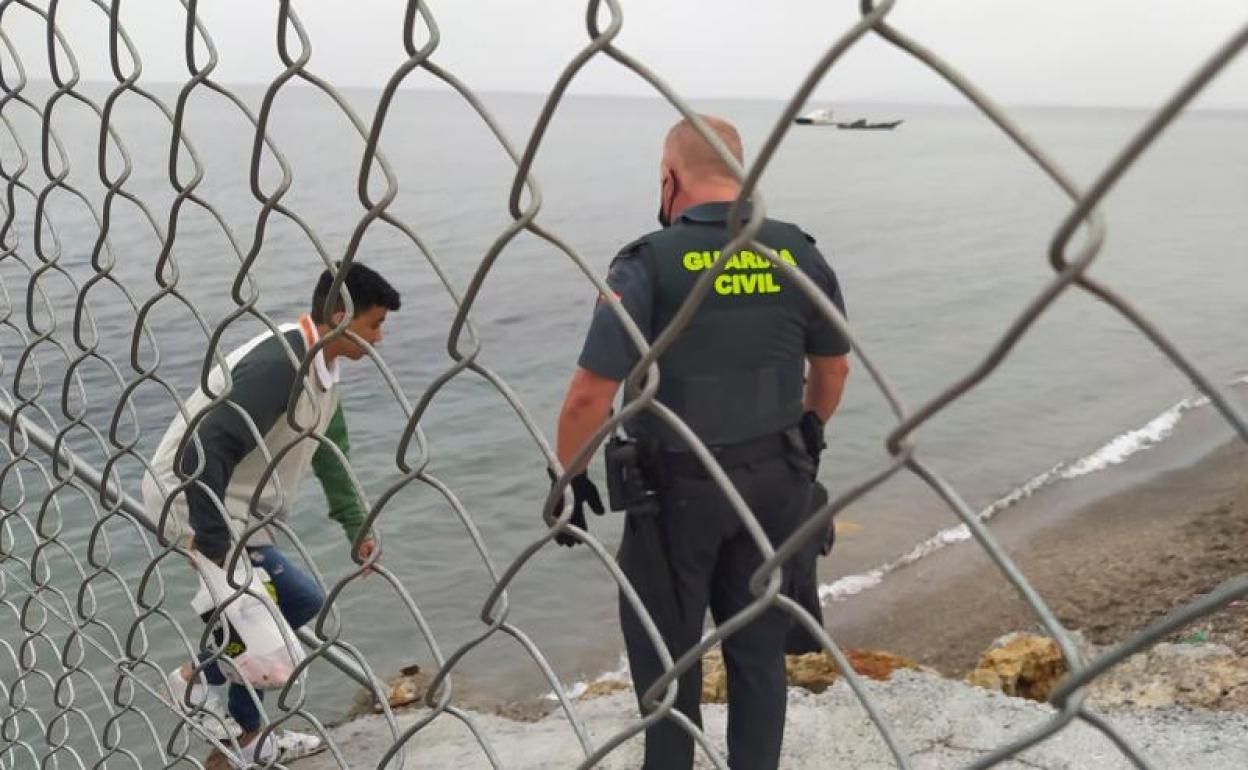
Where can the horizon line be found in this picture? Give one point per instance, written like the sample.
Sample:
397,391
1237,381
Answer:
954,103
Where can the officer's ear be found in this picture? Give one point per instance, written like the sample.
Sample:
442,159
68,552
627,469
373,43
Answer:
336,318
667,173
673,181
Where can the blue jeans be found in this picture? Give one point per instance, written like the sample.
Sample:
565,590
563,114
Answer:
299,598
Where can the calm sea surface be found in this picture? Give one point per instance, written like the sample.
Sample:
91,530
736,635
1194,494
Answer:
939,232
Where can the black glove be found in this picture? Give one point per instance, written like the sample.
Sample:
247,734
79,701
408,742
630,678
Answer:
583,492
812,436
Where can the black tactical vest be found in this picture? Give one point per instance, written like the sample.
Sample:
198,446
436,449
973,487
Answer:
736,371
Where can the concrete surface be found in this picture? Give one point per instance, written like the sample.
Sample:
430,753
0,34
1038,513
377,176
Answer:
940,723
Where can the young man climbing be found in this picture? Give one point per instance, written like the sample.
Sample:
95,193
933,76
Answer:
218,507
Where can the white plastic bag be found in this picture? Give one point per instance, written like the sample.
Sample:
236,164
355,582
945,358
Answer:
258,632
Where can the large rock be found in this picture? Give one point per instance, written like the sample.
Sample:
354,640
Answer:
1022,665
813,671
1209,676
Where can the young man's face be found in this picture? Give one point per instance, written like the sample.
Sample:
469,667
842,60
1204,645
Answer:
366,325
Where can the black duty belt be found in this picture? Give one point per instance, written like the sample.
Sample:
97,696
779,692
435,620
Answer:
769,447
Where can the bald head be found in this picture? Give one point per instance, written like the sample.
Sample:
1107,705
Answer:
691,157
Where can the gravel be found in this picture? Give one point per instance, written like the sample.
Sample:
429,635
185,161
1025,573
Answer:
940,724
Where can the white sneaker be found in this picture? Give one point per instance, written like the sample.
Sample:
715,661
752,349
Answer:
293,745
248,756
210,716
283,745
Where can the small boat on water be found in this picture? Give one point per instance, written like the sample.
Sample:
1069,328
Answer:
862,125
816,118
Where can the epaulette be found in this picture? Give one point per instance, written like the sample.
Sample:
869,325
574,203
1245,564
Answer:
630,250
635,250
794,228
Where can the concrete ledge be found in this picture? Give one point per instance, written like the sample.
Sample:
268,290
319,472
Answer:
940,723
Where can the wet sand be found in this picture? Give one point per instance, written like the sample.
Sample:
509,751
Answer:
1107,569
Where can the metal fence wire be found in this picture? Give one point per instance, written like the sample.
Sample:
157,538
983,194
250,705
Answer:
81,687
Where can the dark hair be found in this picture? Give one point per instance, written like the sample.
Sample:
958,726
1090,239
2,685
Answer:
366,287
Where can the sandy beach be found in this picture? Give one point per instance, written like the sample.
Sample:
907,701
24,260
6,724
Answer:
1106,569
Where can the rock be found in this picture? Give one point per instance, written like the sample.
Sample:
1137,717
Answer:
714,678
877,665
216,761
1022,665
813,671
604,687
1208,676
407,688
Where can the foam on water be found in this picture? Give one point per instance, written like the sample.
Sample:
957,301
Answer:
1122,447
1115,452
575,690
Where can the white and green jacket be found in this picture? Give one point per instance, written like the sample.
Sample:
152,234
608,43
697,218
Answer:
237,451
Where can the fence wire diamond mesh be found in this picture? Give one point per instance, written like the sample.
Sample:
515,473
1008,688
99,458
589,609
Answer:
81,687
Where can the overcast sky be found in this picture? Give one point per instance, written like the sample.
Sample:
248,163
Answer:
1081,52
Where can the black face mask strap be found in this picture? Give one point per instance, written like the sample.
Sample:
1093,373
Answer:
665,216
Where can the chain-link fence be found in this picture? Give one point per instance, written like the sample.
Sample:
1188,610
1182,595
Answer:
81,685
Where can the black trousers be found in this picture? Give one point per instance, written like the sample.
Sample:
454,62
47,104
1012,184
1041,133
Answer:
805,587
711,557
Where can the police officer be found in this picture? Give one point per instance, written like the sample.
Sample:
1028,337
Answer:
755,357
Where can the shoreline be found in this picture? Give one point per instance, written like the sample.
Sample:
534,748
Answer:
1106,568
1187,440
1144,510
1174,528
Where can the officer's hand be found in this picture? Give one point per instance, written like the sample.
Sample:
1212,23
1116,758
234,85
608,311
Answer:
583,493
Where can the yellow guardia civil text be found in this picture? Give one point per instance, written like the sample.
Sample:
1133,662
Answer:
744,273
